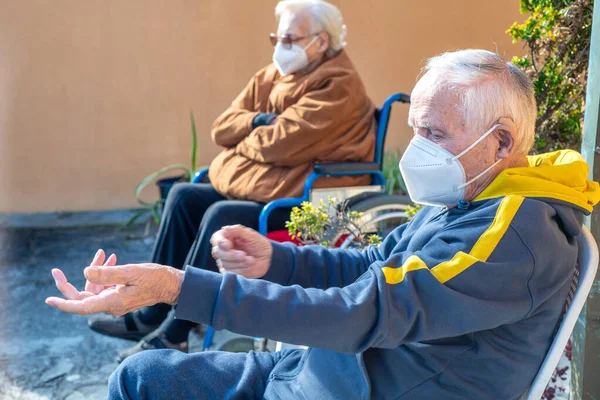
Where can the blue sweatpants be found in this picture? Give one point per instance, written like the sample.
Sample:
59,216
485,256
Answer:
214,375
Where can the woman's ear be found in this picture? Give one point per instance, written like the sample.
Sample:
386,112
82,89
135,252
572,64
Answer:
322,42
506,138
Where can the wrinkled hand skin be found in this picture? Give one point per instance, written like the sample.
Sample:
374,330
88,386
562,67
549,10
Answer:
241,250
117,289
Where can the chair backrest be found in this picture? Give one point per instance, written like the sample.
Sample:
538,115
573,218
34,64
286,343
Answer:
583,279
382,117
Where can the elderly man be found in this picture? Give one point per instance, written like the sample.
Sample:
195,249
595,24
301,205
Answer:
460,303
308,106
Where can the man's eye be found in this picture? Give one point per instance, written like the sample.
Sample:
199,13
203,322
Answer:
434,135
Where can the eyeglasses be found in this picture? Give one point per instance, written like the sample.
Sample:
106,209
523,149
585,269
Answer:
288,40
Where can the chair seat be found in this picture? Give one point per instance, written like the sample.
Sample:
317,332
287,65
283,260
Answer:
282,236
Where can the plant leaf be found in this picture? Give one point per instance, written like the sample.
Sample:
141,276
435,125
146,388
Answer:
136,216
150,178
194,144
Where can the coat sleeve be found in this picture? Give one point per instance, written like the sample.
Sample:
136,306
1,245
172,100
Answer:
291,140
434,293
236,122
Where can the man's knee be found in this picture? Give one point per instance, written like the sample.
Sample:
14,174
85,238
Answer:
139,375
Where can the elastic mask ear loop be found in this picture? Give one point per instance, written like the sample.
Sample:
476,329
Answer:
480,175
475,143
311,42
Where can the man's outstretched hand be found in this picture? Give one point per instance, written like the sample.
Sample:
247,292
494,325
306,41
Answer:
242,250
117,289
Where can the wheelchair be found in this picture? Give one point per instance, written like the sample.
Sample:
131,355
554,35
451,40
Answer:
381,212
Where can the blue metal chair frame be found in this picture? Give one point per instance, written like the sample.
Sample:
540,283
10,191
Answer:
325,170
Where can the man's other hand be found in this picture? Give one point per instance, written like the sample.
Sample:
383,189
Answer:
242,250
121,288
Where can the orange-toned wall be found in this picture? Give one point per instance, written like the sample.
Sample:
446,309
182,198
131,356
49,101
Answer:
95,94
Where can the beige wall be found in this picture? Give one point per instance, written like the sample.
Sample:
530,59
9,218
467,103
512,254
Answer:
95,94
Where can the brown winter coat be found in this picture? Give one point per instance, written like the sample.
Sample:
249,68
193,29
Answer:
323,116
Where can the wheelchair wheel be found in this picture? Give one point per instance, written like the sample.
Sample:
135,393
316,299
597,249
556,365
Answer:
382,213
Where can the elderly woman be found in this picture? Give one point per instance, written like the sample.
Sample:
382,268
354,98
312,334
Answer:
308,106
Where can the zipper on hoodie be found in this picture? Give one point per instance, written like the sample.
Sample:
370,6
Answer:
437,216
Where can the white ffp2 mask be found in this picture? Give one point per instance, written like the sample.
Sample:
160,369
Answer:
291,60
433,175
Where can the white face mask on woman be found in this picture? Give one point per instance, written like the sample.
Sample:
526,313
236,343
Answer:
291,60
433,175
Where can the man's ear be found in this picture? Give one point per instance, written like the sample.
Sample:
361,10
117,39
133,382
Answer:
506,138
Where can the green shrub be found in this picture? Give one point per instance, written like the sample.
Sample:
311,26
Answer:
394,184
557,39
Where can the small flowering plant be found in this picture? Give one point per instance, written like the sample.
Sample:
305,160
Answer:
411,211
326,223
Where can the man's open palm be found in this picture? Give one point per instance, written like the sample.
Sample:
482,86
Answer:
117,290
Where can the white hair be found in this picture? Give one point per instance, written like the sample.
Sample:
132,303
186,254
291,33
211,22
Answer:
324,16
490,88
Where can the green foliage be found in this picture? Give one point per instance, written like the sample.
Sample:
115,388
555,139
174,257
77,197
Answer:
154,208
322,224
394,184
557,36
411,211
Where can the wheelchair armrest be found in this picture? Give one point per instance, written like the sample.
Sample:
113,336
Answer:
340,168
201,176
269,207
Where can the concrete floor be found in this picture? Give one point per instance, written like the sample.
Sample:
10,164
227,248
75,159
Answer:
44,353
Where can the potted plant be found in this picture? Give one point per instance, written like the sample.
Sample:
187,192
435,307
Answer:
329,222
165,184
325,223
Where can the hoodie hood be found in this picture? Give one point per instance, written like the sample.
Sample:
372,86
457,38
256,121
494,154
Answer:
560,176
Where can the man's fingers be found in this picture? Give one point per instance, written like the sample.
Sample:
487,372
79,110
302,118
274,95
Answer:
240,267
92,287
246,263
98,258
237,233
89,305
231,234
111,275
228,261
245,269
218,239
231,255
111,261
68,290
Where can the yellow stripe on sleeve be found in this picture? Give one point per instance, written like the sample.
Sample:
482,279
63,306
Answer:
481,251
396,275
